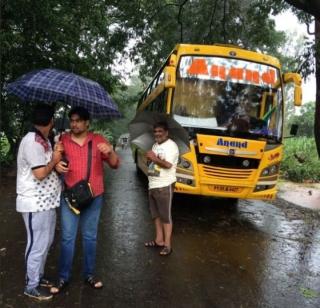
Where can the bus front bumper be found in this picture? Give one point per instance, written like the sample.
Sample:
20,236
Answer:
227,191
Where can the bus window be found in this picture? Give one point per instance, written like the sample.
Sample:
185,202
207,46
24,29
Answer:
194,99
213,92
161,76
149,107
156,81
160,102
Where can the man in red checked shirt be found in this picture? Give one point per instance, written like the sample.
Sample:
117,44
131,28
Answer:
75,146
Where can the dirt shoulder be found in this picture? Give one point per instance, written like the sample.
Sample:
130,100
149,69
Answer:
306,195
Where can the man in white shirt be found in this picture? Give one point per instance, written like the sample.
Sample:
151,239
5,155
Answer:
163,159
38,195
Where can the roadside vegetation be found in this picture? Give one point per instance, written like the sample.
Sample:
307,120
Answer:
301,161
5,156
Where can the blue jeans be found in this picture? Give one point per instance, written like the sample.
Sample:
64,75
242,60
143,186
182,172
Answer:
89,219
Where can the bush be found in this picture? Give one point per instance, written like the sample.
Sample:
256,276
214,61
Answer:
300,162
5,157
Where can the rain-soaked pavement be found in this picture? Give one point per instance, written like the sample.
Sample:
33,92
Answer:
255,254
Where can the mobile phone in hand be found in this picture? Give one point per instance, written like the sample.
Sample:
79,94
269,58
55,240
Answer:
66,162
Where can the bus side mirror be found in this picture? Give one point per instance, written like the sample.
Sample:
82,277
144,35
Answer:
294,129
296,79
169,77
297,96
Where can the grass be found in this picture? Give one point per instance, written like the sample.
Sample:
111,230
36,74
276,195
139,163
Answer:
301,162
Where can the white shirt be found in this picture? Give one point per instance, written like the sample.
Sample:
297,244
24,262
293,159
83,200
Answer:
34,195
160,177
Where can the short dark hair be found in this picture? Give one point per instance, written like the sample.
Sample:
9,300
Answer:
161,124
82,112
42,114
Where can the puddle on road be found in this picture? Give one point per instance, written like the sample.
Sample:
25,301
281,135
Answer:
272,252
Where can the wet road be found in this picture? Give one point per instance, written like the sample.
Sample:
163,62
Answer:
251,255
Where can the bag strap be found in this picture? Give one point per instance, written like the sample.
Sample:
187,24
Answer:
89,160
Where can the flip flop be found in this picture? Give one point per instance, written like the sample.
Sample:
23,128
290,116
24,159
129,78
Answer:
59,287
94,283
152,244
166,251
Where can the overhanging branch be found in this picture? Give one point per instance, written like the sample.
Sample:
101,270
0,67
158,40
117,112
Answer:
311,7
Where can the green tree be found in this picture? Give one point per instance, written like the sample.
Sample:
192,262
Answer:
305,120
166,23
307,11
127,97
86,36
79,36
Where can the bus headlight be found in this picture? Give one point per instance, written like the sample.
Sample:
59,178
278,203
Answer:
263,187
207,159
184,163
271,170
185,181
246,163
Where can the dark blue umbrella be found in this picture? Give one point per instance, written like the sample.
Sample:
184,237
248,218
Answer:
53,85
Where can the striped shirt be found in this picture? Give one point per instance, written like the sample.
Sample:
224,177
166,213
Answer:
77,155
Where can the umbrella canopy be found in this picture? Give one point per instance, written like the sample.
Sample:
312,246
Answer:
53,85
141,131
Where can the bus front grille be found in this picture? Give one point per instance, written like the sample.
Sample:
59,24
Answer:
223,173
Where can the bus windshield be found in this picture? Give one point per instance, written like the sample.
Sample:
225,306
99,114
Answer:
229,96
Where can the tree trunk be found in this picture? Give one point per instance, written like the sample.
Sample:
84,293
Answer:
317,110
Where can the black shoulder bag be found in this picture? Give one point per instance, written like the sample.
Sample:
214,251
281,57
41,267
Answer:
80,195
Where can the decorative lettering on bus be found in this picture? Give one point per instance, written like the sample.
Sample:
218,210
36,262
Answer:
274,156
234,144
201,67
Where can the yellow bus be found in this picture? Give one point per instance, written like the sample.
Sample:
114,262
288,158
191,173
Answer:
231,102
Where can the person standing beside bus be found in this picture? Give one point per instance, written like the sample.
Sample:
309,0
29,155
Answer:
38,196
163,159
76,147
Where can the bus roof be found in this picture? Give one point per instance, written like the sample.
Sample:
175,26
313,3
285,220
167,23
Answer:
225,50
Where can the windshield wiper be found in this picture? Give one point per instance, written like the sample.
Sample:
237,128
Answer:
268,138
205,131
253,136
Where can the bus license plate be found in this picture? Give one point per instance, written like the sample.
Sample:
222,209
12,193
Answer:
227,189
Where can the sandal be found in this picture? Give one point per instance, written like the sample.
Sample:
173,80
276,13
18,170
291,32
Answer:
46,283
152,244
166,251
94,282
59,287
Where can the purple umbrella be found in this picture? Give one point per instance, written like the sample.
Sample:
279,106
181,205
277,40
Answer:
52,85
